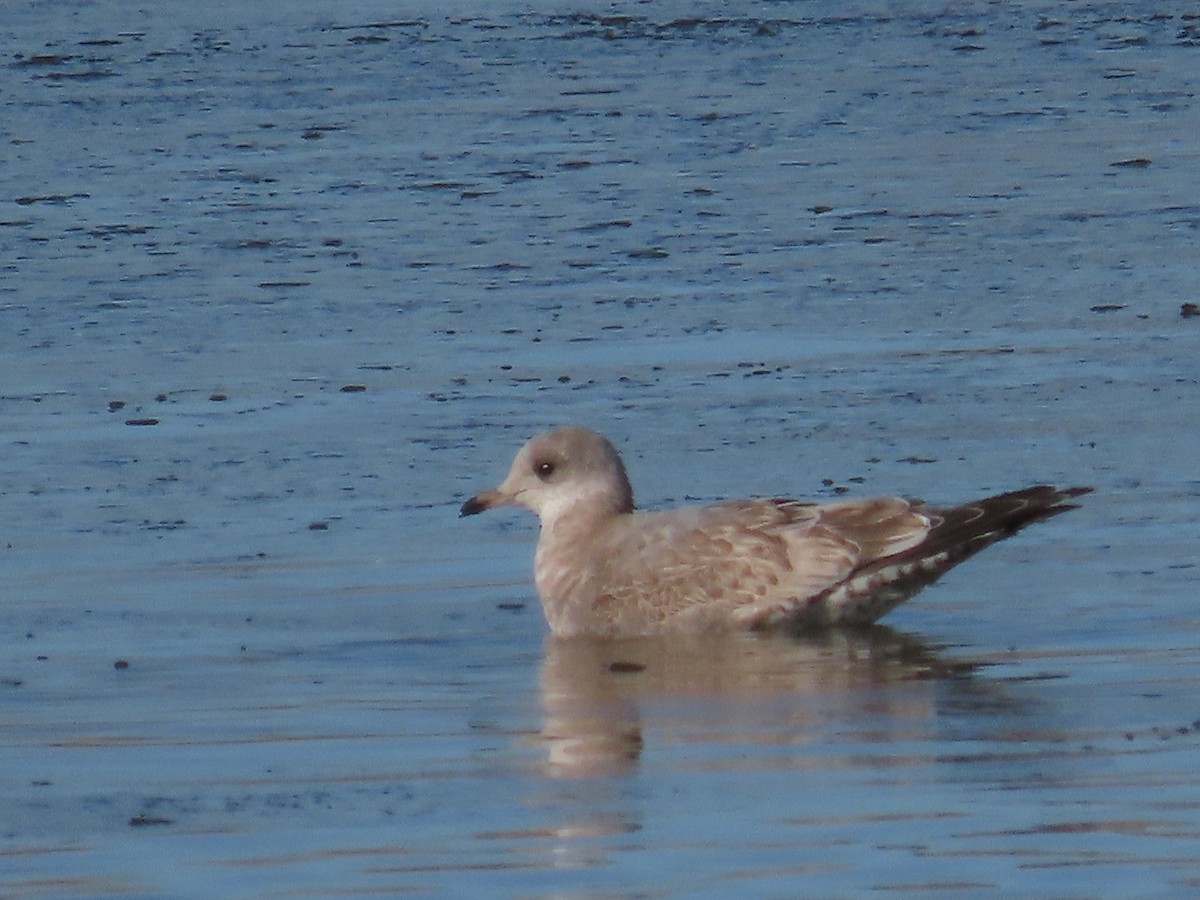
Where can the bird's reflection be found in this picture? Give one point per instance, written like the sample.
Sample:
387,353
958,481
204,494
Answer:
599,696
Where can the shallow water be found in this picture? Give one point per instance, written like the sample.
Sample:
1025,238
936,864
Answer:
280,288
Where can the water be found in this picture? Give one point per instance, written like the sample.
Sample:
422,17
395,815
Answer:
346,260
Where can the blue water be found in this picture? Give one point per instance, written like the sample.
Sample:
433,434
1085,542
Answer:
340,263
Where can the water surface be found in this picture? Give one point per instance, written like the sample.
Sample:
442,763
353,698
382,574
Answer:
281,286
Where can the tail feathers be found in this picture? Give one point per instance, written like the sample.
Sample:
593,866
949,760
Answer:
963,531
957,533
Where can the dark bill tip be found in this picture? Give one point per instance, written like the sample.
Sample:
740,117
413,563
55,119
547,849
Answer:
471,507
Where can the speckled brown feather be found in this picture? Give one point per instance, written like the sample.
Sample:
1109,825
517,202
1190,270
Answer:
956,534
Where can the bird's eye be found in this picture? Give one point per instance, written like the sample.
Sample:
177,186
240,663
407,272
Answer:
544,470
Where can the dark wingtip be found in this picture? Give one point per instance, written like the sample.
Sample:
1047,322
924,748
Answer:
1067,494
473,506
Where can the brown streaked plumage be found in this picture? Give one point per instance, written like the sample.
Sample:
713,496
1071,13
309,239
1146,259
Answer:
603,569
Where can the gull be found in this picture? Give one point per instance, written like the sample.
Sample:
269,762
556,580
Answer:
603,569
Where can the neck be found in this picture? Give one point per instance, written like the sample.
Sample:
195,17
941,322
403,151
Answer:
565,587
584,509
